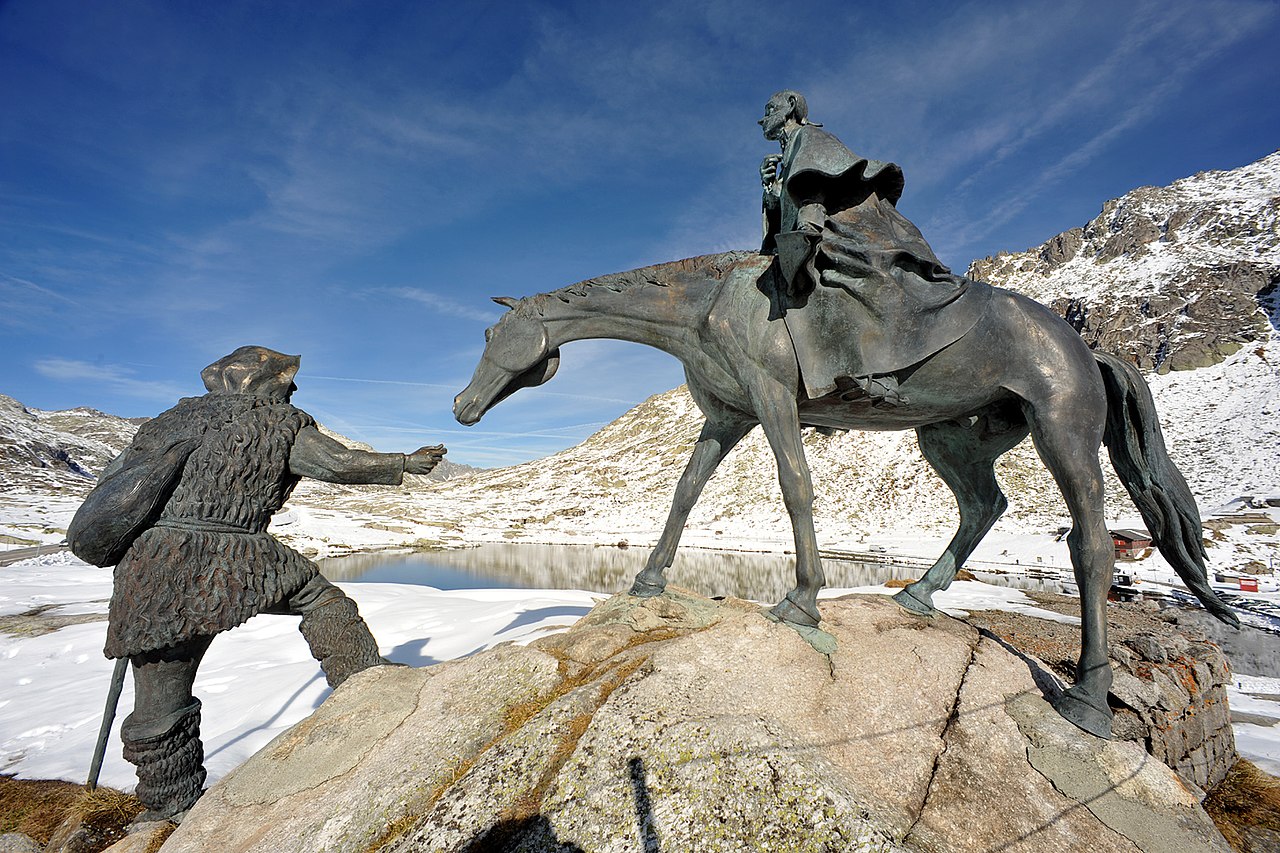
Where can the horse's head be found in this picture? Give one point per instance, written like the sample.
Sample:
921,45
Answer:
516,355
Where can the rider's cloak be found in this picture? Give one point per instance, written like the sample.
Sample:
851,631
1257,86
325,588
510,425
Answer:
885,301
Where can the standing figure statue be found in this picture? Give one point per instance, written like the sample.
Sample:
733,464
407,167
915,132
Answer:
853,268
183,514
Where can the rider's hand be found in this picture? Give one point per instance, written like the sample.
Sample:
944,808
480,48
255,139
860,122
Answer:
424,459
769,171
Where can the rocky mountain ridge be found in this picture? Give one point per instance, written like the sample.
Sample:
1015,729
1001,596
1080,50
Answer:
59,451
1175,278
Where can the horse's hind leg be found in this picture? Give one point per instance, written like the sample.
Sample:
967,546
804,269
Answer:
964,456
1067,434
717,439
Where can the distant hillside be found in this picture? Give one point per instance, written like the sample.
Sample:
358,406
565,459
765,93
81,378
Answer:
63,451
57,451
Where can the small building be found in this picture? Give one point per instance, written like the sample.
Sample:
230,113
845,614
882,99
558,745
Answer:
1130,544
1243,582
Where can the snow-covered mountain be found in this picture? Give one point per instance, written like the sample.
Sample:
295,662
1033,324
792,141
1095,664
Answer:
57,451
1175,277
1182,279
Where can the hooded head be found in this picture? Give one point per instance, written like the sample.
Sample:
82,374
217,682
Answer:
254,370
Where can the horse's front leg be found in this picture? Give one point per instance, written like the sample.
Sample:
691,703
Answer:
775,405
717,439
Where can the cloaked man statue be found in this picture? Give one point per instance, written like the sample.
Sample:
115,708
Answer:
852,268
182,513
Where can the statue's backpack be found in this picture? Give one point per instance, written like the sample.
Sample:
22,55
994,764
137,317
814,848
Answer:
129,498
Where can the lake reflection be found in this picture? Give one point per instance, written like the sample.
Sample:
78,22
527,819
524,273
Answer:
763,577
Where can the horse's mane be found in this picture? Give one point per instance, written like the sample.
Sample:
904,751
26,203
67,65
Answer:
712,267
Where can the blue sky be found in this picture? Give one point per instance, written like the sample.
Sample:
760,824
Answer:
353,181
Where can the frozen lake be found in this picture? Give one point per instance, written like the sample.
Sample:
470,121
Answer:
609,569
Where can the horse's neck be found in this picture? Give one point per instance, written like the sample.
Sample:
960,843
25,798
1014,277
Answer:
662,317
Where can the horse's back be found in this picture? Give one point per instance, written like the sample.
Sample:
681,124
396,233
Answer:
1051,356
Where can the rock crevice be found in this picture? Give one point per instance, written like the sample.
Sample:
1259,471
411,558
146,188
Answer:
952,718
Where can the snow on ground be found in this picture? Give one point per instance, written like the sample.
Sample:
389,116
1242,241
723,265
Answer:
259,679
1260,698
962,597
30,517
256,680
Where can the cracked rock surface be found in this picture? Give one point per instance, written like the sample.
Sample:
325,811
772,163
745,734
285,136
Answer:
679,723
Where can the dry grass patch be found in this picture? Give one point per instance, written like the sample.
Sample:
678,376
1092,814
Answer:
106,812
1246,807
38,621
37,808
899,583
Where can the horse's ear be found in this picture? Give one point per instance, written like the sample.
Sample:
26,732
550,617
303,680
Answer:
508,301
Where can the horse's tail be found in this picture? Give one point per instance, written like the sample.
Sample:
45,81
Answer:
1158,489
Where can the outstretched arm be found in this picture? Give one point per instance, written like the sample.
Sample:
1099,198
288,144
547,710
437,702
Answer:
319,457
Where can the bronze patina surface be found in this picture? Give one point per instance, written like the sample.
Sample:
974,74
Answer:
847,320
183,515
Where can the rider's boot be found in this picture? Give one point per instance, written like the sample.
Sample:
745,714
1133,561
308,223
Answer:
883,391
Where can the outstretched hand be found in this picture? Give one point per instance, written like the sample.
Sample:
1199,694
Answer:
424,459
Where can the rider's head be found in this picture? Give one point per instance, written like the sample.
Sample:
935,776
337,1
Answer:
254,370
785,106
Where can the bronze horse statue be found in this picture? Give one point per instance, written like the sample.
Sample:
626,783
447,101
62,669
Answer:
1020,370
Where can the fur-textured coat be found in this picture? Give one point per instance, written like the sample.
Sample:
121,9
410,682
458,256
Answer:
209,564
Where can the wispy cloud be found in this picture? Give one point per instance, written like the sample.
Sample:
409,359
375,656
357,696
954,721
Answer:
25,304
115,377
311,376
1164,28
442,304
1196,46
13,284
555,432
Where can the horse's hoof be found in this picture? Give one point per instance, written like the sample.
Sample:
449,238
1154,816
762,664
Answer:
646,589
1083,714
787,610
907,601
